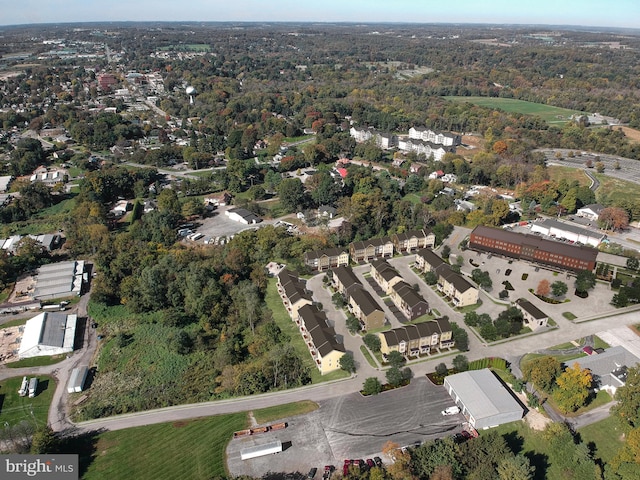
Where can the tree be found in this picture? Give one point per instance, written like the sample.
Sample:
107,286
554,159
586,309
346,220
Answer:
168,202
371,386
395,376
441,369
559,288
372,342
633,263
585,280
628,397
626,463
460,337
353,324
599,167
430,278
516,467
542,372
400,467
460,363
44,441
573,388
613,218
396,359
543,288
482,278
292,195
446,251
347,363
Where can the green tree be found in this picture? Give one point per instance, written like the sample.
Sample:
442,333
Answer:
168,202
372,342
585,280
347,363
559,288
441,369
542,372
371,386
516,467
430,278
460,363
633,263
292,195
460,337
353,324
628,397
396,359
429,456
394,376
446,251
44,441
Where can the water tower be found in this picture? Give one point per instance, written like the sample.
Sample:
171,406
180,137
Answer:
191,92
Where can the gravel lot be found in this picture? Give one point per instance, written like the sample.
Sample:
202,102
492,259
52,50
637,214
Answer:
352,426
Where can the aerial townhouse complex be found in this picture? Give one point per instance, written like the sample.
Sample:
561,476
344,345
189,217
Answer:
359,301
455,286
319,337
418,339
533,248
403,295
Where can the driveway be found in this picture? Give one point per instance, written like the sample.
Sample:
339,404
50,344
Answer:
352,427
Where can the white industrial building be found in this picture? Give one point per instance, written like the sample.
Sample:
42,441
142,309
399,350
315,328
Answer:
59,280
243,216
561,230
48,334
77,379
482,398
261,450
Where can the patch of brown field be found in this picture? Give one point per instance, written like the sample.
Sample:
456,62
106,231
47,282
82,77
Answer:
180,424
635,329
631,133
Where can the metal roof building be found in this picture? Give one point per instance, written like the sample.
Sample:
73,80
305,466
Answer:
58,280
48,334
482,398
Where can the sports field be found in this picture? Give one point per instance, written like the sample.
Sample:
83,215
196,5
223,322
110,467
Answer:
547,112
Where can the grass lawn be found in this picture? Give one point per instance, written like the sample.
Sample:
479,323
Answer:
605,436
613,191
48,220
15,409
190,449
546,112
569,315
36,361
413,198
14,323
271,414
288,326
599,343
557,173
367,355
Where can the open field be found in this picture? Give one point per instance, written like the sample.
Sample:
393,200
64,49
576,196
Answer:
15,409
192,449
558,173
631,133
605,435
547,112
613,191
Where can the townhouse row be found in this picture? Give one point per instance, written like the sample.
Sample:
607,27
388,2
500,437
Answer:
365,251
403,295
418,339
319,337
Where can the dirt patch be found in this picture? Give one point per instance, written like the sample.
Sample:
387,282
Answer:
180,424
10,338
631,133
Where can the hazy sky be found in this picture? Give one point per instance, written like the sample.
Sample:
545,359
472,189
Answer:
620,13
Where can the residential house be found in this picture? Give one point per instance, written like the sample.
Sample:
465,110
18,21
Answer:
322,260
383,140
408,301
534,318
365,308
293,292
592,211
343,278
417,339
218,199
413,240
384,274
449,178
327,211
533,249
422,146
609,369
5,180
371,249
464,206
427,260
320,339
457,288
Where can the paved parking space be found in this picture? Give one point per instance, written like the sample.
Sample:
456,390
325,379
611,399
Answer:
622,336
352,426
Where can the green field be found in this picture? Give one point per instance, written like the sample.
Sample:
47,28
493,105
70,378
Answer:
605,435
15,409
613,191
190,449
547,112
558,173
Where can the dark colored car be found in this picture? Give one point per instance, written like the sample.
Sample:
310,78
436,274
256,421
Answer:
370,463
312,473
378,461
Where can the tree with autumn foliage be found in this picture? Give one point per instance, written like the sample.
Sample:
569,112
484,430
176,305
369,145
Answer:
543,288
574,385
613,218
542,372
400,468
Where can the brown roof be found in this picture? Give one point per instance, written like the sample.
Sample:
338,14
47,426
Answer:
584,253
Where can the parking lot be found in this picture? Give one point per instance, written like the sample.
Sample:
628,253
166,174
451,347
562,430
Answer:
352,427
220,226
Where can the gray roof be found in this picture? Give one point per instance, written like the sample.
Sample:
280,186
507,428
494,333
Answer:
551,223
53,329
482,394
604,364
430,257
408,294
365,301
346,276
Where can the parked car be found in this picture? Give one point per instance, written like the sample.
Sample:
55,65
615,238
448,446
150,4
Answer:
378,461
370,463
312,473
451,411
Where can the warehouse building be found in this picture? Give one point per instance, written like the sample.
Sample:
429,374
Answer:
59,280
48,334
482,398
566,231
